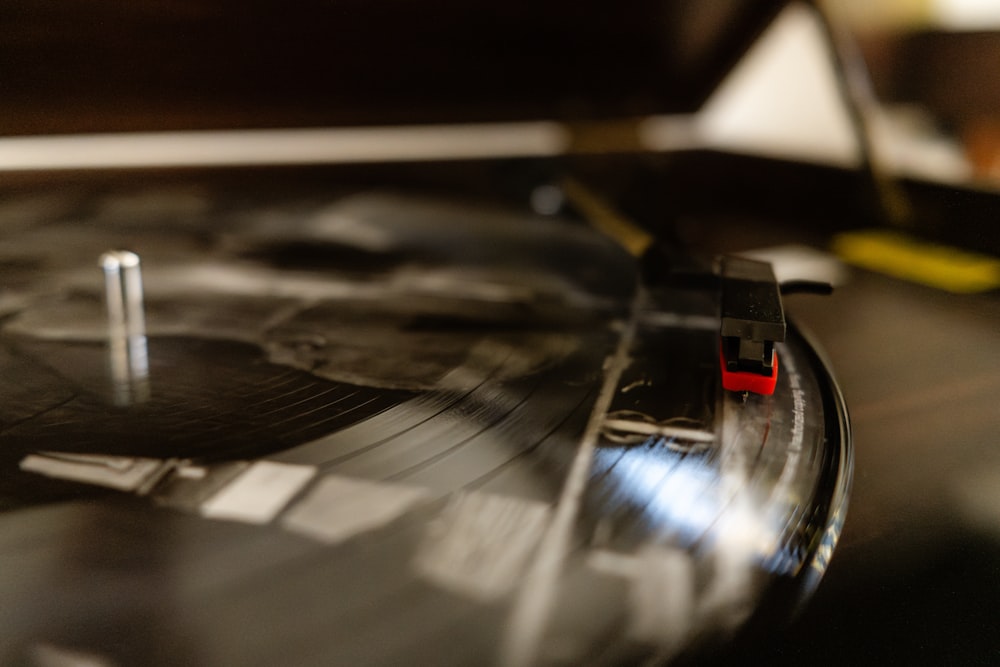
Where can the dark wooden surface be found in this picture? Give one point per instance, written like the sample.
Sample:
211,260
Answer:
181,64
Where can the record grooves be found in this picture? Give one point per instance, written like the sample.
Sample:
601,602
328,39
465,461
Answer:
432,461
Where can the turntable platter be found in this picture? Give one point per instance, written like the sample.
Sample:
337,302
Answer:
380,428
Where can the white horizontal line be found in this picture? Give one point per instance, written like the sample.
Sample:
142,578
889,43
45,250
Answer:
305,146
282,146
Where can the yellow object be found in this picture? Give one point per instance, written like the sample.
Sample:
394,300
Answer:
901,256
606,219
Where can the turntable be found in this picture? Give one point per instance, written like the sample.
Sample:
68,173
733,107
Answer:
441,409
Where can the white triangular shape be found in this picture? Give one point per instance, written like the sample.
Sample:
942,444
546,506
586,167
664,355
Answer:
782,99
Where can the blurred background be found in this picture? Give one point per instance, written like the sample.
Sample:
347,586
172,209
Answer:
935,65
934,69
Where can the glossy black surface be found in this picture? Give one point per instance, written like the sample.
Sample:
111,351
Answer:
492,447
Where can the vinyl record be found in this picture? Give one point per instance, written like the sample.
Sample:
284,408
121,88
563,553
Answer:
378,428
